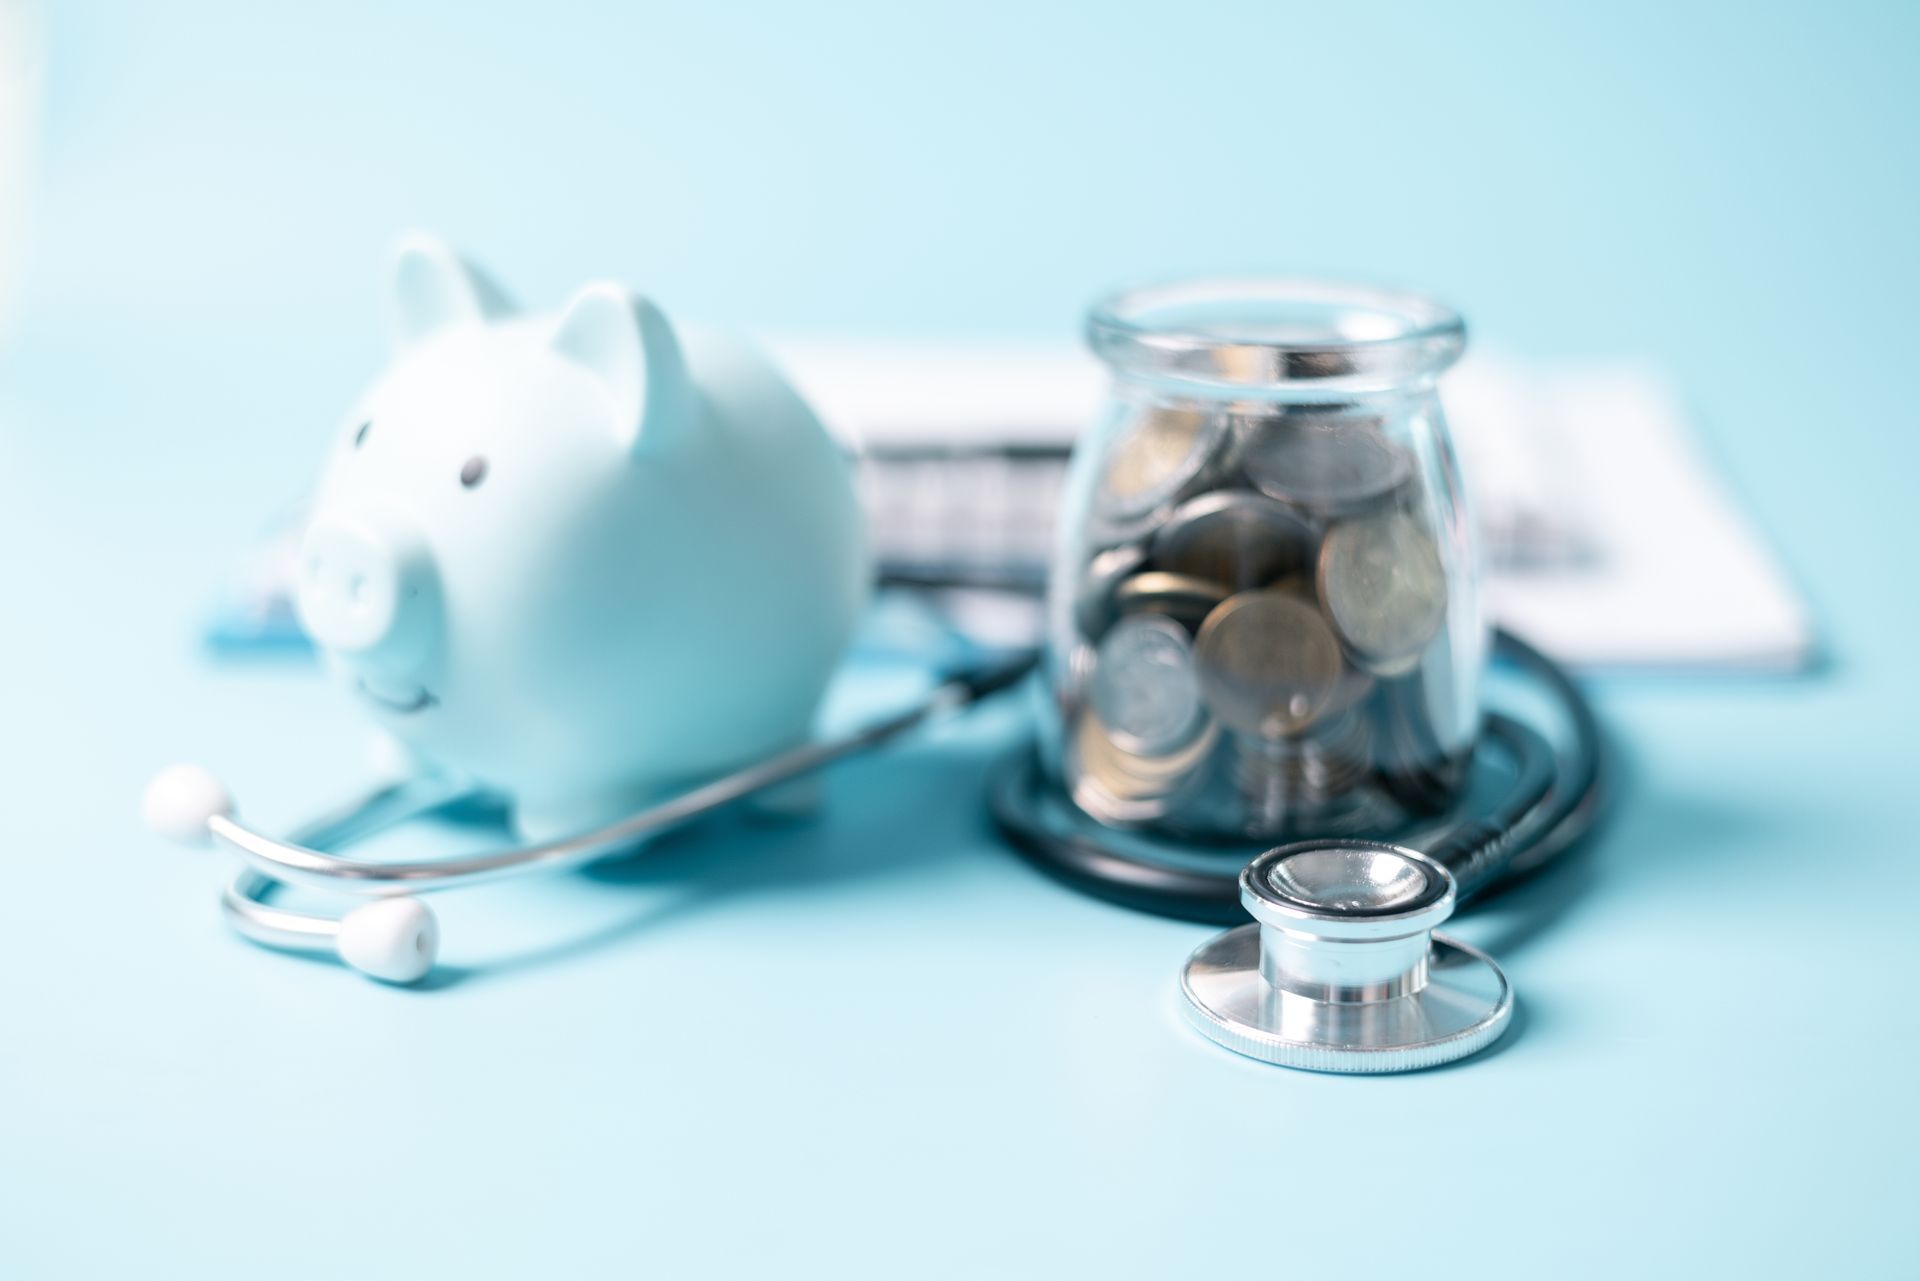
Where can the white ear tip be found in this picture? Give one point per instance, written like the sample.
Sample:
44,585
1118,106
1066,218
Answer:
180,800
395,939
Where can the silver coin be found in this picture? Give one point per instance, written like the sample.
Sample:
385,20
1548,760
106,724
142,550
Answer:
1327,464
1155,457
1144,688
1238,539
1268,663
1070,673
1094,605
1383,585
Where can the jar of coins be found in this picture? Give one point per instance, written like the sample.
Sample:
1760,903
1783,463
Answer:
1264,620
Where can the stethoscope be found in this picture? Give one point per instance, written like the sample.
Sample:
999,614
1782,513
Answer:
396,937
1340,971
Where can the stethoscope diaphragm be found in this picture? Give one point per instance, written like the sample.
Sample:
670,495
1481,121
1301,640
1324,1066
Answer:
1340,970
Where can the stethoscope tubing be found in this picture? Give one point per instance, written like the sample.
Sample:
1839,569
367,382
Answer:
270,863
246,900
1552,802
1550,805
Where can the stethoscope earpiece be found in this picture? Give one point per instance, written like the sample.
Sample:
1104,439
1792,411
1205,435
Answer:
395,939
181,800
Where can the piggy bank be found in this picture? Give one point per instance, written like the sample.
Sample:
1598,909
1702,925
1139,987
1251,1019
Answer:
587,559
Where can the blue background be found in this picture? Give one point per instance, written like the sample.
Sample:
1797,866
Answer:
878,1044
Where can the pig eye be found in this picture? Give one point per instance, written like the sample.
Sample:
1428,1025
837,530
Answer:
360,437
474,471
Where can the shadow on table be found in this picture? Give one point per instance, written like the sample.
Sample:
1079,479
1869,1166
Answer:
1644,834
906,816
1661,841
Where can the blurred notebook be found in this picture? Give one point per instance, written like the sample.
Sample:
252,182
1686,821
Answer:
1609,541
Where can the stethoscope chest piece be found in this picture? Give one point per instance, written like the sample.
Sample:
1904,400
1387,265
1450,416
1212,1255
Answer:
1341,970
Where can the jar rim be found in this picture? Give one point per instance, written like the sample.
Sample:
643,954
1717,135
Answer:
1275,333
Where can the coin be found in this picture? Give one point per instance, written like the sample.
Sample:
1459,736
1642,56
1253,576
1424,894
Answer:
1158,454
1417,771
1314,767
1268,663
1094,605
1383,586
1237,539
1071,669
1117,786
1144,689
1326,464
1316,781
1354,685
1178,596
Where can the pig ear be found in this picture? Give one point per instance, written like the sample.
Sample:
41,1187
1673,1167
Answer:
434,289
626,343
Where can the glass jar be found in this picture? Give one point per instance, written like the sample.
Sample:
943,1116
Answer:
1264,620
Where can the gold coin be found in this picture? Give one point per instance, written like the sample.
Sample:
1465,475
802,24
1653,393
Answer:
1118,786
1179,596
1268,663
1354,685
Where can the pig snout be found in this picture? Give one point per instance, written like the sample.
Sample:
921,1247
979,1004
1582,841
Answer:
367,586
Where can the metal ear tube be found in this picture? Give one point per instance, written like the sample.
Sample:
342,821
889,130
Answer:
395,937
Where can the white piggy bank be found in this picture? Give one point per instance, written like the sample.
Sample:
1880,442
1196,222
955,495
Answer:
588,559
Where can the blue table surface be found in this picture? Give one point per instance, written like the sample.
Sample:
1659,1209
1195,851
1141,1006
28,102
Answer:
877,1044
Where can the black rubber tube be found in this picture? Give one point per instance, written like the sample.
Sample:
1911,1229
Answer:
1550,804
